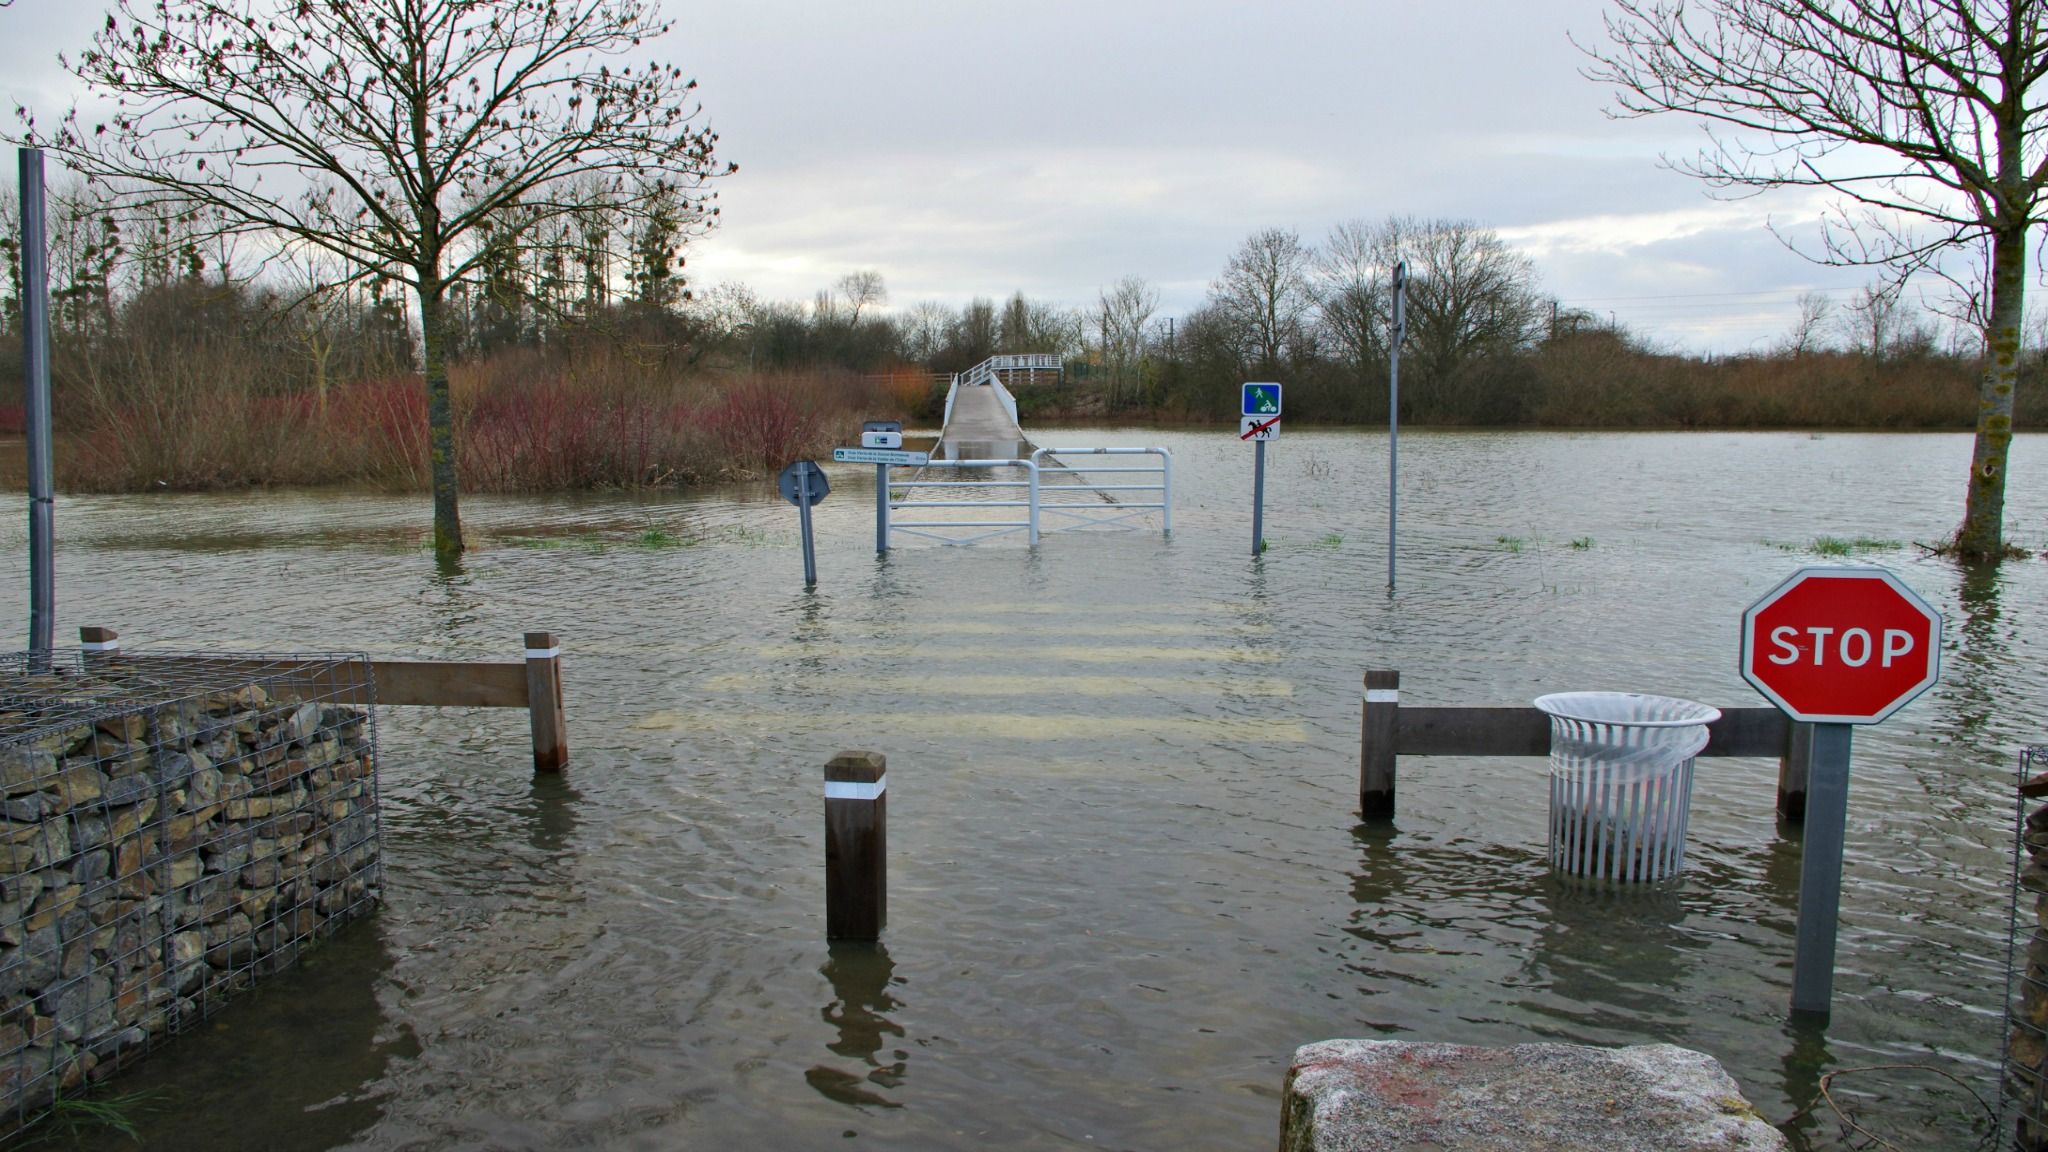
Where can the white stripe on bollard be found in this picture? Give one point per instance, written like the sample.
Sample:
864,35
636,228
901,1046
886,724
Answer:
543,653
1382,695
844,790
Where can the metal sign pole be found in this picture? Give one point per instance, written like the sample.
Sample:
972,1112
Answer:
1820,870
1399,330
803,506
35,344
1259,498
881,508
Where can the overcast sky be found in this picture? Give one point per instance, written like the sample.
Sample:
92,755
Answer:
969,149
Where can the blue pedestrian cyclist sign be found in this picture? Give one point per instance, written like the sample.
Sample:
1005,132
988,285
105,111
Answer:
1261,400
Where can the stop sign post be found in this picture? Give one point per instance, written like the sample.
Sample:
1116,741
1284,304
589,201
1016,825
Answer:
1835,646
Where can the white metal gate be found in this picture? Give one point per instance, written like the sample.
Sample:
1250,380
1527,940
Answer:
949,531
1095,507
1079,501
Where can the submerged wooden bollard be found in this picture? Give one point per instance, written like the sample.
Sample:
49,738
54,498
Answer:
856,846
1792,768
544,702
1376,748
98,645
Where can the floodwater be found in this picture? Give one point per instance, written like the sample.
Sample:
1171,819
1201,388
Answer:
1127,874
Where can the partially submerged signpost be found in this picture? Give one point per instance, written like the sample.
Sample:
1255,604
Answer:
881,444
1398,332
1260,423
803,484
1835,647
880,435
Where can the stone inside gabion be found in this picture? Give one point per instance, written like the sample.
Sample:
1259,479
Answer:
154,860
2027,1052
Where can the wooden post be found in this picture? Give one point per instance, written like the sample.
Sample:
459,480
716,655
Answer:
544,702
1376,751
1793,764
98,645
856,846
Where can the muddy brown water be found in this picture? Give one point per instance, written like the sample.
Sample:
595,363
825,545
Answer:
1127,874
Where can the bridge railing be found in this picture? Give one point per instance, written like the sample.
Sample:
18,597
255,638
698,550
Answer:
986,371
1025,362
1003,396
1099,508
1009,402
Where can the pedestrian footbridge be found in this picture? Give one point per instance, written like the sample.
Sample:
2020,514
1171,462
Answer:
981,414
989,479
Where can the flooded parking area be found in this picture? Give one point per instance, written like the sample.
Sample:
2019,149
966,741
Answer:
1127,873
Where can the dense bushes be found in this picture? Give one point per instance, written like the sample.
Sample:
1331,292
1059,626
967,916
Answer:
524,424
1600,378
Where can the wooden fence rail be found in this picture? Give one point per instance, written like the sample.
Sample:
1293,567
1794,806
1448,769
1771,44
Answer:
534,684
1391,731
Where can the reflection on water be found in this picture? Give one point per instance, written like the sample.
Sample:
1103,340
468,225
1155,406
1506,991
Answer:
1970,668
551,813
314,1038
862,997
1128,879
1807,1058
1589,930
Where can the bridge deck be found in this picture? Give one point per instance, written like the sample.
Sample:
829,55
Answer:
981,428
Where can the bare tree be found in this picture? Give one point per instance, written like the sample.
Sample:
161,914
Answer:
922,331
1352,285
1029,325
1264,297
319,300
978,334
392,134
1875,320
862,290
1924,116
1808,324
1469,294
1124,313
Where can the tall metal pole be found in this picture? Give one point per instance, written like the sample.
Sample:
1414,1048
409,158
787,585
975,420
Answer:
1259,499
803,505
881,508
35,344
1820,870
1397,332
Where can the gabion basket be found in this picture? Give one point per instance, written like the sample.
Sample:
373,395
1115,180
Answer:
1621,767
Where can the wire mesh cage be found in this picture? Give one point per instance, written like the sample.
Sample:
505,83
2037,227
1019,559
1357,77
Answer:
172,827
2026,1054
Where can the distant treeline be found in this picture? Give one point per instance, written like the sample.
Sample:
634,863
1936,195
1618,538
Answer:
584,361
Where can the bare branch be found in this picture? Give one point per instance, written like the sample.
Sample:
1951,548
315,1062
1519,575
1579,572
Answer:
1924,117
416,139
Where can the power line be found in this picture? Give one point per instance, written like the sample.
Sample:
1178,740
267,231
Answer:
1795,292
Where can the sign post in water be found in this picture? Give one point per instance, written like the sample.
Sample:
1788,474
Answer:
880,436
1835,646
803,484
1260,423
1398,331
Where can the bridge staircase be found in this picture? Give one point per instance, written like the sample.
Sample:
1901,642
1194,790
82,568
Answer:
981,413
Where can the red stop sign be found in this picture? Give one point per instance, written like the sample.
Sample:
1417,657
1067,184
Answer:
1841,645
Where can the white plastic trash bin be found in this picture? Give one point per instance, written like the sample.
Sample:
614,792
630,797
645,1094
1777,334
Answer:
1621,781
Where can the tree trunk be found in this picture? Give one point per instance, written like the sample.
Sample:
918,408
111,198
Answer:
1982,536
440,420
321,349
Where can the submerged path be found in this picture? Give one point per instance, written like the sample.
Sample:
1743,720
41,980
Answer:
982,428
